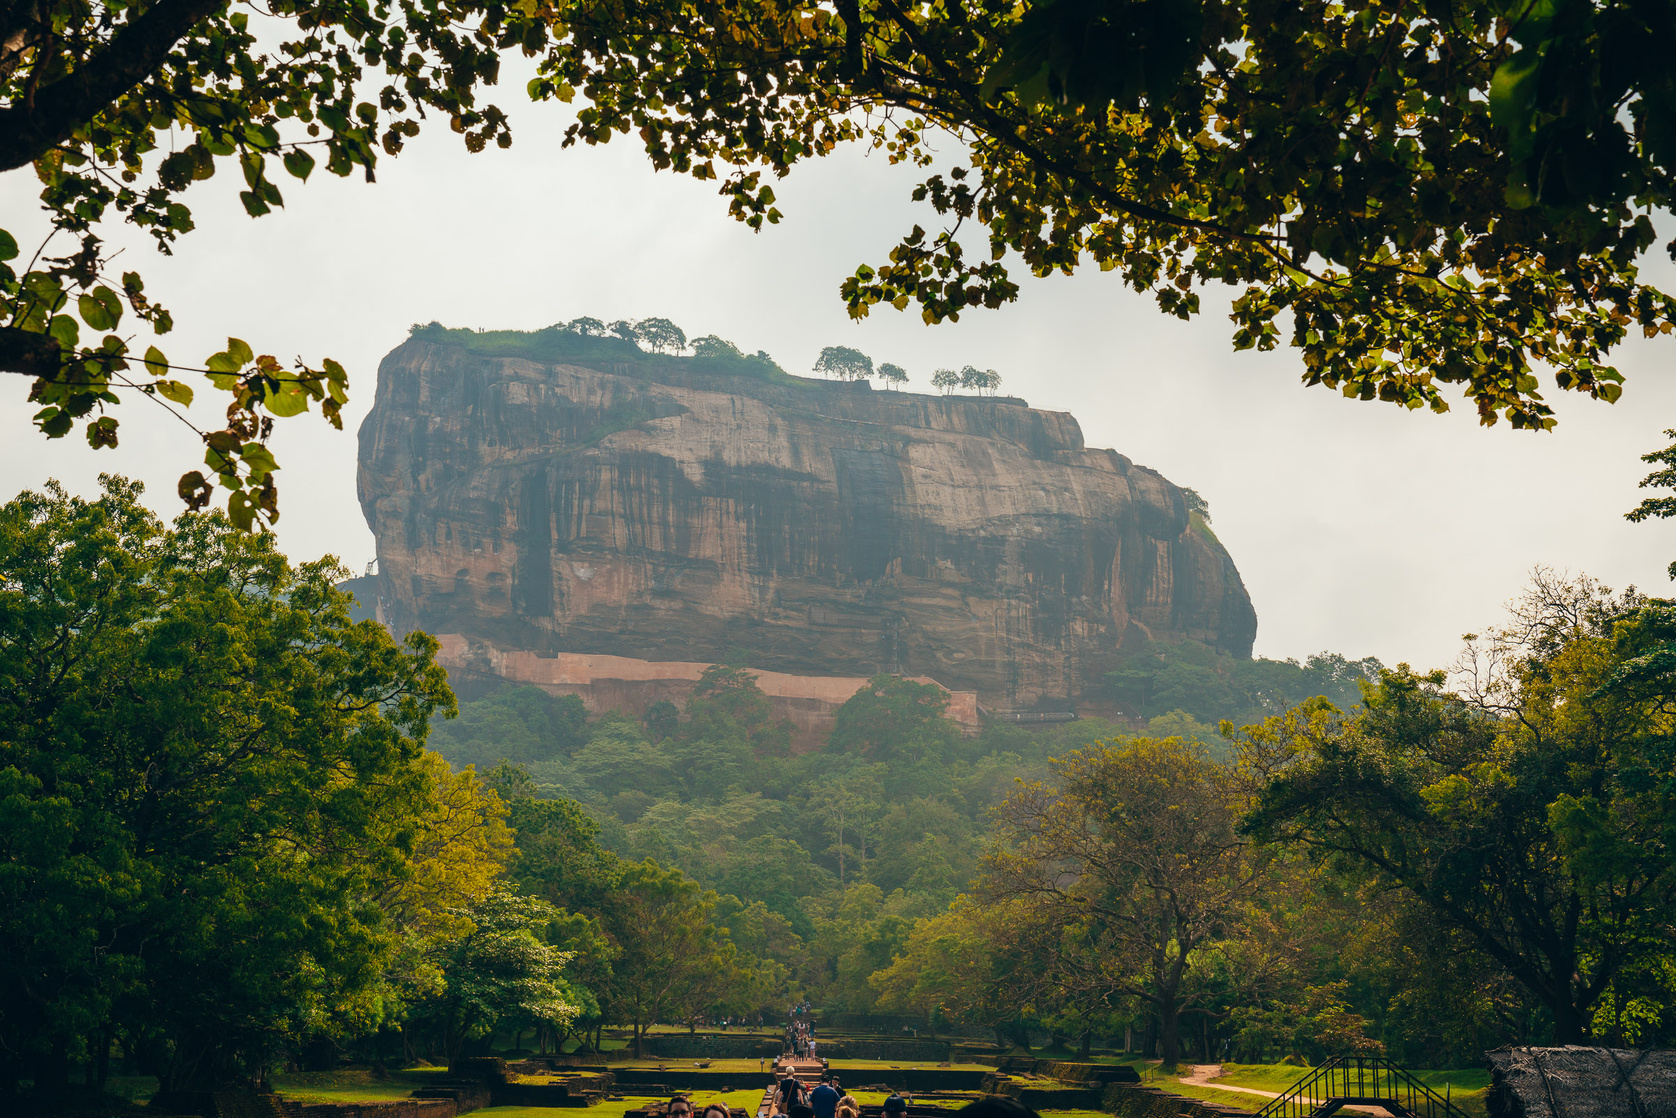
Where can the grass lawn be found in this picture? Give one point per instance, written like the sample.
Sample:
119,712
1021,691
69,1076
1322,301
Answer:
352,1084
1278,1077
840,1065
1465,1085
134,1088
752,1066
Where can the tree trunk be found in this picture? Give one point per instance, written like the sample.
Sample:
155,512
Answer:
1568,1023
1086,1044
639,1052
1169,1034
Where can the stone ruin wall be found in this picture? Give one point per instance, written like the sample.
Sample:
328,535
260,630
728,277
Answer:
606,683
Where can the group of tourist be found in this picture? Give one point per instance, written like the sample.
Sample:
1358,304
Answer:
826,1100
790,1098
800,1032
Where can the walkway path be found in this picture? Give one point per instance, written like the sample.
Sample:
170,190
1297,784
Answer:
1200,1075
806,1072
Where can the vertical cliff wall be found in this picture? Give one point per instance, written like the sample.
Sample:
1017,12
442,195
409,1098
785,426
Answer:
663,509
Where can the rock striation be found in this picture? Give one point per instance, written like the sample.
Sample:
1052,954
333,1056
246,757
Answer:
668,509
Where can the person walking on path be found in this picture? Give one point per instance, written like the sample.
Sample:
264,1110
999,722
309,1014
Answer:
823,1100
789,1094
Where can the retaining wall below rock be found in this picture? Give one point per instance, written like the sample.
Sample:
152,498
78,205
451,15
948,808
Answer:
923,1050
911,1079
1071,1072
664,1046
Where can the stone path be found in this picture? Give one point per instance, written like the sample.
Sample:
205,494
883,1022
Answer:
806,1072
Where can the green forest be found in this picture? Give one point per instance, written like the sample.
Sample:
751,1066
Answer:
245,831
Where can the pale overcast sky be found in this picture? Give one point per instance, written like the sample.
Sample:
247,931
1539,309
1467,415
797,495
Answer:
1357,527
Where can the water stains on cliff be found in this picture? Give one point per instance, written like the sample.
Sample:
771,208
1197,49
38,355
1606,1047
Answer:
660,511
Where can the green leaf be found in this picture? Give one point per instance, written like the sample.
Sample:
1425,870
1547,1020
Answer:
54,423
1658,126
1513,91
176,391
155,363
333,118
64,328
287,400
96,312
8,246
258,459
230,360
241,511
102,432
299,163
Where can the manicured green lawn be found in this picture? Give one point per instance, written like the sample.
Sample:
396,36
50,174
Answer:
1209,1094
352,1084
744,1100
839,1065
1278,1077
754,1067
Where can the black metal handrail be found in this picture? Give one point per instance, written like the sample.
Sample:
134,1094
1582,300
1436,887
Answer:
1359,1081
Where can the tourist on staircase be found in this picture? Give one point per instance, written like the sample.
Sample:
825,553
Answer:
789,1095
823,1100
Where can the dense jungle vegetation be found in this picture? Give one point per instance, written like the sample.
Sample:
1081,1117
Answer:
228,847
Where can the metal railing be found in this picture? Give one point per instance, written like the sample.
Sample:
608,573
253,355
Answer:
1361,1081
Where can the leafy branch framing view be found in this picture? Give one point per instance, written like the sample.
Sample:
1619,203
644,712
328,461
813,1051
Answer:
1424,196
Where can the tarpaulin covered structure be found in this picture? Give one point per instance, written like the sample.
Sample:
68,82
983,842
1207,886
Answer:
1582,1082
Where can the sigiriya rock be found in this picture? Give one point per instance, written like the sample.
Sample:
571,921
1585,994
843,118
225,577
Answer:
537,496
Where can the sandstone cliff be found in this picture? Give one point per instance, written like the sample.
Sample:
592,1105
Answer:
664,509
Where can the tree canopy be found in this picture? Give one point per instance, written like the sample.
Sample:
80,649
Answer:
1427,197
844,363
1522,811
1129,872
207,772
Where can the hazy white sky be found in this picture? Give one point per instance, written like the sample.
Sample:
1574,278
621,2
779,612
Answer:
1357,527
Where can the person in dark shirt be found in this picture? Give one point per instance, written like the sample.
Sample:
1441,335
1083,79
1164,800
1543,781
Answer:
789,1095
823,1100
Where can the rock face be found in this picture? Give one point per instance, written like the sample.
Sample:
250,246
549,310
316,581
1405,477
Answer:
651,509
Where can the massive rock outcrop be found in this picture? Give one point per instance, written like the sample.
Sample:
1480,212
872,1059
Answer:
671,510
